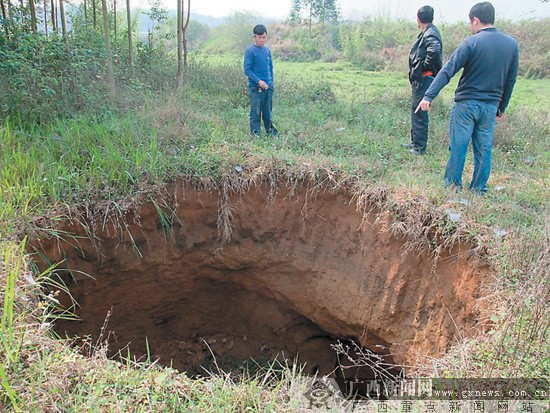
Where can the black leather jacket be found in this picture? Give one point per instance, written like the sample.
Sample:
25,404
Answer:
426,54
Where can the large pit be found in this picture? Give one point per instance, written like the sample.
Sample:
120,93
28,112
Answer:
212,279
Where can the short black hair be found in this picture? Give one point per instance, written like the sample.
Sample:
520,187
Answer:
259,29
425,14
484,11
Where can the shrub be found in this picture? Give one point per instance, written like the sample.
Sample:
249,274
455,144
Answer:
235,35
42,79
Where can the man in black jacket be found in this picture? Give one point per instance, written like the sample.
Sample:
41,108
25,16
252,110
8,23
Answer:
425,61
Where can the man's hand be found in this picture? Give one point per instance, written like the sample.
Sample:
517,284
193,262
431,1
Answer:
424,105
500,115
262,84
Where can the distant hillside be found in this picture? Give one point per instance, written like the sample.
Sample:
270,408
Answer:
210,21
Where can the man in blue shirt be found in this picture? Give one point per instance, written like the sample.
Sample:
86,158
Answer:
490,60
258,67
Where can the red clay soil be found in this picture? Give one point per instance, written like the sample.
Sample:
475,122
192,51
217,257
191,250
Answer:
302,268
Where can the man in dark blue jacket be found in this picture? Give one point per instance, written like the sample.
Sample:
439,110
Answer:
425,61
258,67
490,60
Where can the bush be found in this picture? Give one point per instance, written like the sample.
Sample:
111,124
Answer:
235,35
533,37
372,43
42,79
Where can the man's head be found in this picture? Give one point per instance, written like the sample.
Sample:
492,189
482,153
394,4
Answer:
425,14
482,14
260,35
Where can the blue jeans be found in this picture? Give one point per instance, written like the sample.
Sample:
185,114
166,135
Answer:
261,104
475,120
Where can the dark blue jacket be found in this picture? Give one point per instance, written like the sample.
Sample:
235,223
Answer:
258,65
490,60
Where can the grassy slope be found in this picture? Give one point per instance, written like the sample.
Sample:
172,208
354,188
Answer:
204,133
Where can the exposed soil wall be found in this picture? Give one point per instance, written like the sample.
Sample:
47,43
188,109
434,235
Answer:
302,267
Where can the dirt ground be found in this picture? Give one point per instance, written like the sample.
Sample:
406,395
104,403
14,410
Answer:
301,269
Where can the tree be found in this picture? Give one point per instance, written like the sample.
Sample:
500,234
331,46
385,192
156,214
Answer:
130,41
327,11
184,31
34,22
94,13
157,15
46,17
182,25
310,10
63,23
4,18
180,42
108,53
114,17
54,15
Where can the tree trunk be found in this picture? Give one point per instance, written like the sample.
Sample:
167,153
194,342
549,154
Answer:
130,40
94,11
85,12
34,22
57,15
184,31
54,16
5,18
63,24
108,53
180,42
310,16
22,15
46,17
114,18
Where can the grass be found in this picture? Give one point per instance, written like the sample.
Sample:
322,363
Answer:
336,123
10,339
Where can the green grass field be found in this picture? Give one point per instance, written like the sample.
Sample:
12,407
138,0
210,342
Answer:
331,116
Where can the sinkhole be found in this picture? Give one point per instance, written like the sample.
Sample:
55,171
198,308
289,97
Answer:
207,278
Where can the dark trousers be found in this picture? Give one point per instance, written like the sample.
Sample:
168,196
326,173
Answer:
419,120
261,103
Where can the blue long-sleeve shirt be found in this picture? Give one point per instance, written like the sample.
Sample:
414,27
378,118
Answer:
490,60
258,65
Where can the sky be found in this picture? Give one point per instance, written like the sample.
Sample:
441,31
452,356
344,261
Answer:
446,11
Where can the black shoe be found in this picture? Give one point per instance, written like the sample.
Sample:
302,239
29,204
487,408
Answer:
417,151
273,132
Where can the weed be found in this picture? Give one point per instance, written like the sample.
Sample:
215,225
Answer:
10,333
